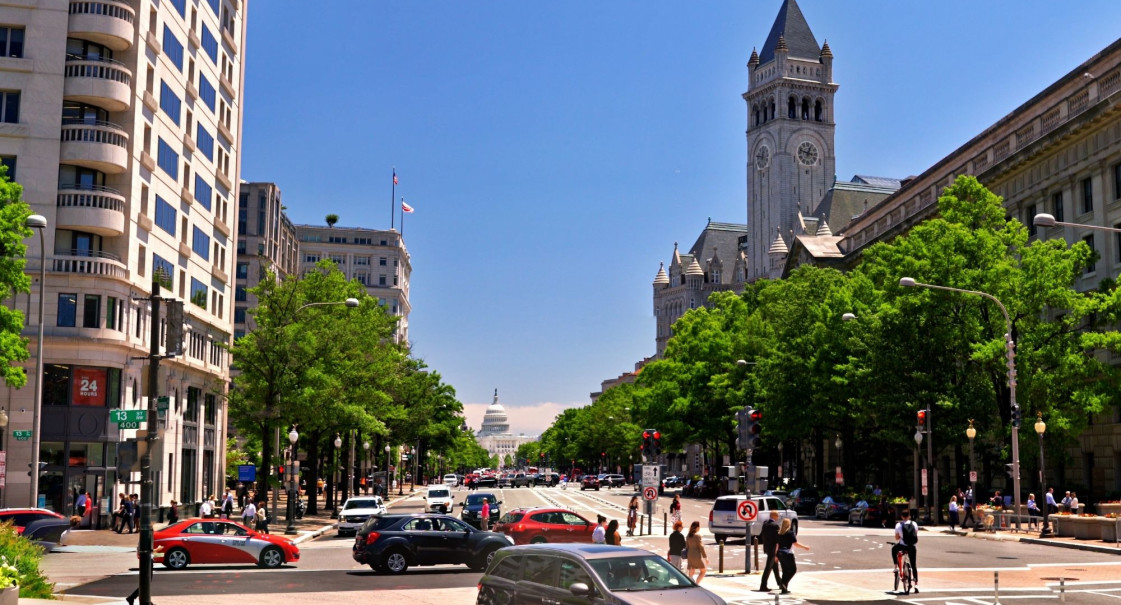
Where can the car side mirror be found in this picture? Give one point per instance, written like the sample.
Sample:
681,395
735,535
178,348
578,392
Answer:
463,504
580,589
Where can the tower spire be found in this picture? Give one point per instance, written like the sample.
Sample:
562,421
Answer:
790,26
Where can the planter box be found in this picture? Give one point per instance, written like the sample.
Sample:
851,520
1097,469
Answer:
1110,530
1105,509
1063,526
9,596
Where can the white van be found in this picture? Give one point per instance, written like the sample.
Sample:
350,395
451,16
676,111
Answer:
451,480
438,499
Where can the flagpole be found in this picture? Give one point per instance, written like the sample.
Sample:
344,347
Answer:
402,218
392,196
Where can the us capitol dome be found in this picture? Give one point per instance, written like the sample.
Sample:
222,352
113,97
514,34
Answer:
495,437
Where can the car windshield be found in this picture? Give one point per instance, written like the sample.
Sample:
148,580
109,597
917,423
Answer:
477,499
439,493
362,503
638,573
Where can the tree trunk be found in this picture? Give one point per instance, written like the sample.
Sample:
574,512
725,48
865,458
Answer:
313,475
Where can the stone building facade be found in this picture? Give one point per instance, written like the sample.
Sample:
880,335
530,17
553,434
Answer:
265,238
494,435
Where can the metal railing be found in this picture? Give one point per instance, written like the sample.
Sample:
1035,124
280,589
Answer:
103,200
94,132
102,69
108,8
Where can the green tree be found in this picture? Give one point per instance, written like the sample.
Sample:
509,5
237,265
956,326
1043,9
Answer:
13,230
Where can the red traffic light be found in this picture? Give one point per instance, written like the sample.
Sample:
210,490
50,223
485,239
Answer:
755,415
603,454
657,435
645,434
922,417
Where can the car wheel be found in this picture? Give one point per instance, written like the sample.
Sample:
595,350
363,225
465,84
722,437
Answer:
581,488
538,540
395,562
271,558
597,488
176,558
484,560
720,537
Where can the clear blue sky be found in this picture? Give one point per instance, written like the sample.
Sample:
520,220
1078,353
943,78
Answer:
554,152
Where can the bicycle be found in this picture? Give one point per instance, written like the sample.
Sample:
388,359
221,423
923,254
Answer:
903,572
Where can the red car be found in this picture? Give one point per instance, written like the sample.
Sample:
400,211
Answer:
20,518
589,482
213,541
538,525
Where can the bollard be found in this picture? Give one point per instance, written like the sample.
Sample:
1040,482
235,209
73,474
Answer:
1063,590
755,542
996,588
665,519
776,599
720,544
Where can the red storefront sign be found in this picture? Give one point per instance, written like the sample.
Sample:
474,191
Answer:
88,386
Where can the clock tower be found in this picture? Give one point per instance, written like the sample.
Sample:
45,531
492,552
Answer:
790,128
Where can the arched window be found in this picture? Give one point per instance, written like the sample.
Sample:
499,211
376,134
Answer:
756,115
818,113
805,108
772,108
791,107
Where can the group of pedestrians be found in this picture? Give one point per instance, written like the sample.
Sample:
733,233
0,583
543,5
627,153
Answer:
127,513
779,541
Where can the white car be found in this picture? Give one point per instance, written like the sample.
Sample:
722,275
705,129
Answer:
451,480
724,521
356,510
438,499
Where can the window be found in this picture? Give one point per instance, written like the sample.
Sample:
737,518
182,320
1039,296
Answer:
215,5
241,246
181,6
207,93
381,261
168,160
240,294
91,311
165,216
210,44
205,143
1087,196
239,315
9,107
311,258
336,240
210,408
203,191
381,280
338,260
9,162
11,41
1092,265
242,270
67,310
1057,205
173,48
170,103
162,270
1030,214
200,243
111,310
1117,182
1117,240
198,293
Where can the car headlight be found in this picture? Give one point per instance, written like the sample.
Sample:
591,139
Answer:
342,518
508,539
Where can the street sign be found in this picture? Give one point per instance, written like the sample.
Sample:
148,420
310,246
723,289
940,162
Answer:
924,479
3,468
839,476
128,425
22,435
924,490
128,416
650,493
973,476
246,472
747,510
650,475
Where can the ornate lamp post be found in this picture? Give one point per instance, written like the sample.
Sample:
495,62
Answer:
840,461
334,479
366,462
1040,428
387,449
293,483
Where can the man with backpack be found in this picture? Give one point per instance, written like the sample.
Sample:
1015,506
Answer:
906,536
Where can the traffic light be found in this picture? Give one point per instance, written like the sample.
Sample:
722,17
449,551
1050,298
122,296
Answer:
749,428
1010,469
656,443
42,466
1016,415
922,420
647,443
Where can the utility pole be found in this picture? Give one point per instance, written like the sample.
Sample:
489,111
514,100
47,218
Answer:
148,490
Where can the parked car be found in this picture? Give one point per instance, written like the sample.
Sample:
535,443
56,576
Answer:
487,481
20,518
613,480
589,482
724,521
472,512
781,494
586,573
804,500
832,508
549,479
864,513
673,482
213,541
537,525
438,499
356,510
393,543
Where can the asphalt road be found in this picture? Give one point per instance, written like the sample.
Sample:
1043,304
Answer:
845,563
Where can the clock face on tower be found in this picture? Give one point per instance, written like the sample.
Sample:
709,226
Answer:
762,157
807,153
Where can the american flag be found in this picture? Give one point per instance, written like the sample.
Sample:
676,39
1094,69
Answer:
395,178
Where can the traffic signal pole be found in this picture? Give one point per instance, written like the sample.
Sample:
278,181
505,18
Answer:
148,486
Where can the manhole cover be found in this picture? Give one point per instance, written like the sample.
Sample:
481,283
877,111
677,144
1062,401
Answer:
1057,579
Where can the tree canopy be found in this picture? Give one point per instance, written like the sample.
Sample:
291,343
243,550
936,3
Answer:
13,253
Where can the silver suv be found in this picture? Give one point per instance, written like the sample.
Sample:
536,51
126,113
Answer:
723,521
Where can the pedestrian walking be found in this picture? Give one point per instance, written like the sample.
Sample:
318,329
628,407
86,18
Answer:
484,520
249,514
676,545
121,514
228,505
612,533
81,503
599,534
695,553
787,540
1033,512
133,513
675,509
632,515
262,524
173,513
968,509
769,535
953,512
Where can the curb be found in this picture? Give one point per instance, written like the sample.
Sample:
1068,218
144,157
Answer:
1073,545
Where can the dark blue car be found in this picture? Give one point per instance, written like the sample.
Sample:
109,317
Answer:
473,508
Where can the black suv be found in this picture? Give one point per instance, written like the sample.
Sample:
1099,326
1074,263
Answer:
472,513
394,542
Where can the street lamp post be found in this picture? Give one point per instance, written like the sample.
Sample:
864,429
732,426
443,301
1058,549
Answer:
972,433
401,479
918,454
334,479
39,223
840,459
293,483
387,450
366,462
1040,428
1010,352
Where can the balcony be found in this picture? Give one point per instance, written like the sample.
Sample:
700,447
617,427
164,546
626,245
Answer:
100,82
227,87
147,161
153,43
107,22
95,209
225,133
99,145
228,38
102,264
192,92
221,227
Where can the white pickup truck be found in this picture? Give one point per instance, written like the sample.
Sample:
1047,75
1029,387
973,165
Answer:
723,521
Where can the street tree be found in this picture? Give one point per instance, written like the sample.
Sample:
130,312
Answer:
13,280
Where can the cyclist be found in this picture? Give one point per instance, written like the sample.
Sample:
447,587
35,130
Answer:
906,536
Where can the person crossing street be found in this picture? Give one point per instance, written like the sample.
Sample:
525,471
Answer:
769,535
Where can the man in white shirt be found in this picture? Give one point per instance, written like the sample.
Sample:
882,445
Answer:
206,510
249,514
599,535
902,546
